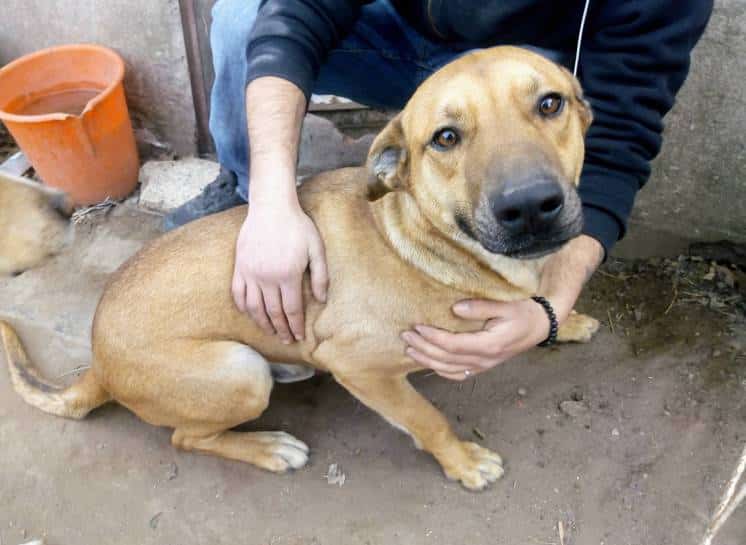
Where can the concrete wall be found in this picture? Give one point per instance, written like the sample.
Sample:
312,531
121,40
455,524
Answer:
698,187
147,34
698,184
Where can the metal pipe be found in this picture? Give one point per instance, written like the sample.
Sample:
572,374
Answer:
196,75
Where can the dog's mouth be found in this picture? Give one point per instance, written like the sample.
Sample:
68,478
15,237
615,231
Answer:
525,246
525,249
537,250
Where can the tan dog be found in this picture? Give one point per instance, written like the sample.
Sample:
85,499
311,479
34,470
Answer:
475,181
32,226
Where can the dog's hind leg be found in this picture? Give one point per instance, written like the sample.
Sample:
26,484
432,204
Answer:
275,451
202,389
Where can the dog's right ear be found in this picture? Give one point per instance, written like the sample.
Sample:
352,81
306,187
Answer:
387,161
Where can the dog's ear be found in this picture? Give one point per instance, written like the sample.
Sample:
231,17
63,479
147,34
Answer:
584,107
387,160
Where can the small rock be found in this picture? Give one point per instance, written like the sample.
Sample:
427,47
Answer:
173,472
35,542
335,475
615,432
574,409
522,392
169,184
154,521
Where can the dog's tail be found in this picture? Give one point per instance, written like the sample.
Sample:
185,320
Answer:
73,402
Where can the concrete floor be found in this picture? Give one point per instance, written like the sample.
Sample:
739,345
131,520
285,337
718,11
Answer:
645,465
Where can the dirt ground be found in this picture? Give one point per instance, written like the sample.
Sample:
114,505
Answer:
639,456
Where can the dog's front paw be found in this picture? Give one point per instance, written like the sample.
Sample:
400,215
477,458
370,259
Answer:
473,465
577,328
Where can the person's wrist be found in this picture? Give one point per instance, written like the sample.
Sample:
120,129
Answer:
573,267
549,332
561,304
280,193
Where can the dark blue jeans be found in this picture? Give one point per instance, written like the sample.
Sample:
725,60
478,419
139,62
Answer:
379,64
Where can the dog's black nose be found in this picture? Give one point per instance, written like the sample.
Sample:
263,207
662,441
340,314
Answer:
528,208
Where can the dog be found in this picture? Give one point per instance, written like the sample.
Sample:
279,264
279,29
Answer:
469,189
33,223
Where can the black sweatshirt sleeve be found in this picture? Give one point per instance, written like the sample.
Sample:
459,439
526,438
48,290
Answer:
634,58
291,38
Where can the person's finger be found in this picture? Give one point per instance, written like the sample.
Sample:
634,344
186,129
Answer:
292,304
318,269
273,304
436,365
420,344
479,309
474,344
238,291
255,307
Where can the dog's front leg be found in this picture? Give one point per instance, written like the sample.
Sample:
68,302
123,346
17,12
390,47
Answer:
394,398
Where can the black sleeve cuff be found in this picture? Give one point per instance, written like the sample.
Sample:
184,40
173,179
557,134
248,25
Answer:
295,67
602,226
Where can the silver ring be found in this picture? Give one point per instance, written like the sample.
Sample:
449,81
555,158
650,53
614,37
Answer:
467,373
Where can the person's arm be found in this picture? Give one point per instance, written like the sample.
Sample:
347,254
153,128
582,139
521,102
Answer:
277,241
634,59
291,38
510,328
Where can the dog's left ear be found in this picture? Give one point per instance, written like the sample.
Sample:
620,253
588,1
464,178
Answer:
584,107
387,160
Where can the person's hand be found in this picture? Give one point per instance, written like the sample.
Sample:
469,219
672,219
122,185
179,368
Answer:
510,328
276,244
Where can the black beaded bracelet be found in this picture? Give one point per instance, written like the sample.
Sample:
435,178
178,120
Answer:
553,325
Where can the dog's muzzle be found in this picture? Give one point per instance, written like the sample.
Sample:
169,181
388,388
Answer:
528,219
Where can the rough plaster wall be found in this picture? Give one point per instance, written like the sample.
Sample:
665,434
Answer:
698,187
146,33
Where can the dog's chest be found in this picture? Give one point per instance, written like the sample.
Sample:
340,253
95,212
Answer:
373,297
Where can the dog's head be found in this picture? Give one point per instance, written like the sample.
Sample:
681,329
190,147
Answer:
491,148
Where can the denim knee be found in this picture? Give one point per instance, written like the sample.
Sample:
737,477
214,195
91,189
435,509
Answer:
232,21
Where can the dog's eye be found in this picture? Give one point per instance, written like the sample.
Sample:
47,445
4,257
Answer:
445,139
551,104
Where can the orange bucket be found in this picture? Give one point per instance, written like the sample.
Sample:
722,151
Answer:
65,108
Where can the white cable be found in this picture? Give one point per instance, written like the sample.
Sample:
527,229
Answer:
580,38
728,503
